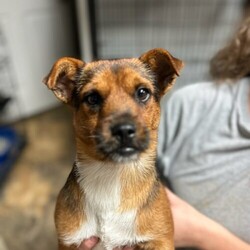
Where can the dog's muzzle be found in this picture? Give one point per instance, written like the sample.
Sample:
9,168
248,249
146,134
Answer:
125,134
122,138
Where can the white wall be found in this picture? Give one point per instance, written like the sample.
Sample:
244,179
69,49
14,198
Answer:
34,34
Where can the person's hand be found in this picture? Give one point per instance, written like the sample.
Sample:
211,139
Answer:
193,229
187,221
90,243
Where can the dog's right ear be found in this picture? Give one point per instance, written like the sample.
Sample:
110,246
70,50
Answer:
62,78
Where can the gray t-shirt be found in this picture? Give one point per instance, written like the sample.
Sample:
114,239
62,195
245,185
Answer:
204,151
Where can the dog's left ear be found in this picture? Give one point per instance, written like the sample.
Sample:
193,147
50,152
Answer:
62,79
165,67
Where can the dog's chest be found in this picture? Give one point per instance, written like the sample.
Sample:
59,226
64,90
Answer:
113,228
102,202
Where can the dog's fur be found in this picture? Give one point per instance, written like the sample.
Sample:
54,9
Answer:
113,191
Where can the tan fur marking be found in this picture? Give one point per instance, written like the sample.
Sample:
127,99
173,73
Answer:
137,182
69,214
152,219
136,186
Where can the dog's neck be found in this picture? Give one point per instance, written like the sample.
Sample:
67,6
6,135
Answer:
143,164
111,185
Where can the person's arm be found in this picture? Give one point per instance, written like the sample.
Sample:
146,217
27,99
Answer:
193,229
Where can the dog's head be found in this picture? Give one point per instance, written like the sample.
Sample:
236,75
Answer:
116,102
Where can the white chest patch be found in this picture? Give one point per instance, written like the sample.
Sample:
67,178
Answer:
101,187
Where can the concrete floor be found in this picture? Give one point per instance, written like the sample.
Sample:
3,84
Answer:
27,199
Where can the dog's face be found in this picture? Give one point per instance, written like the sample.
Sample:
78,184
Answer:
116,102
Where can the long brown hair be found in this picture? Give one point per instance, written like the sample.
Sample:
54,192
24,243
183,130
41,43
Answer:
233,61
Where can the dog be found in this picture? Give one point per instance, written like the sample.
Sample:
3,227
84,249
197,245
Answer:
113,191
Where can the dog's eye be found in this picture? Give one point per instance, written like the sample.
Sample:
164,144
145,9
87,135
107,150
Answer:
143,94
93,99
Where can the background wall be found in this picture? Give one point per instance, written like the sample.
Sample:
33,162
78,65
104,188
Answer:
192,30
33,34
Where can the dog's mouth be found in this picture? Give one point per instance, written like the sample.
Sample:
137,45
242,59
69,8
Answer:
127,151
123,141
121,153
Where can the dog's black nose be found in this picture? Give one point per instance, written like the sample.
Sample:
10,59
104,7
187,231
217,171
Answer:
124,131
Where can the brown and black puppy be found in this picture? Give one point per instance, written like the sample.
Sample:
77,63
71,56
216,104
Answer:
113,191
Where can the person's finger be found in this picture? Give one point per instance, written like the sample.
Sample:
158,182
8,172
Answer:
89,243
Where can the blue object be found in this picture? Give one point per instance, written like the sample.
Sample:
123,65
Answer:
11,144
